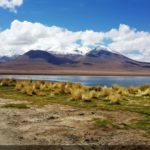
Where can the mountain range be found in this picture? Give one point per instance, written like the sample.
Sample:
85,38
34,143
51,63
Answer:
99,61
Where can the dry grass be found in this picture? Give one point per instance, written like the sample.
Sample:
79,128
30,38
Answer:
133,90
16,106
114,98
77,92
144,93
7,82
83,96
105,92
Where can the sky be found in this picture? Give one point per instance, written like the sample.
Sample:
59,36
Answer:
66,25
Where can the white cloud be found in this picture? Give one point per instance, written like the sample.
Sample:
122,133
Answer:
24,36
127,40
11,4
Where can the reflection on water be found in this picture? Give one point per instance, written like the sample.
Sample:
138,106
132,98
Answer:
87,80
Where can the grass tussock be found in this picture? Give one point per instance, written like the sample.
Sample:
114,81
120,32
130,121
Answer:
131,98
7,82
140,124
115,94
115,98
17,106
103,123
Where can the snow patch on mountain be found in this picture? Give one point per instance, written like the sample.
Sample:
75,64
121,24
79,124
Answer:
84,51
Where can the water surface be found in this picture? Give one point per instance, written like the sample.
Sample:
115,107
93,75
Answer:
87,80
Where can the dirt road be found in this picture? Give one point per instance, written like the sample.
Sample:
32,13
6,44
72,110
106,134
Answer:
58,124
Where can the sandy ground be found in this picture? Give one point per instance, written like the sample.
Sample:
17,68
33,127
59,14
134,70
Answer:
58,124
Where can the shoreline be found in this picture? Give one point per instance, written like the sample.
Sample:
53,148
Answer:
82,74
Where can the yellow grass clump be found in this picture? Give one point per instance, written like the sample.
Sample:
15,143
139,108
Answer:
36,85
120,90
26,87
76,94
114,99
144,93
93,94
105,92
43,87
123,91
56,92
7,82
77,91
19,86
57,88
39,93
85,88
77,85
144,87
86,97
133,90
67,90
68,87
96,88
116,87
29,90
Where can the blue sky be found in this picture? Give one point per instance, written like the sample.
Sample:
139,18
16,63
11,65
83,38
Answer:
99,15
64,26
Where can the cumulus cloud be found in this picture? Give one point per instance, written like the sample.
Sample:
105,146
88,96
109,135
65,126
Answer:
133,43
11,4
24,36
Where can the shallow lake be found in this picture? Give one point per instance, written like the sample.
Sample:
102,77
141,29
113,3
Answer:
87,80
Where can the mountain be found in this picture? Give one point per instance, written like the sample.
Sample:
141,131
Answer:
99,61
6,58
49,58
105,58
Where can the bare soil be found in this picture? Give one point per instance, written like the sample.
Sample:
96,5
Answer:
59,124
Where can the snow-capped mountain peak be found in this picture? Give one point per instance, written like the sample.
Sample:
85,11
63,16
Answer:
101,50
84,51
104,48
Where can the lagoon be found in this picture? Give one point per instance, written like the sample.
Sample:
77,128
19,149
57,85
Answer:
87,80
